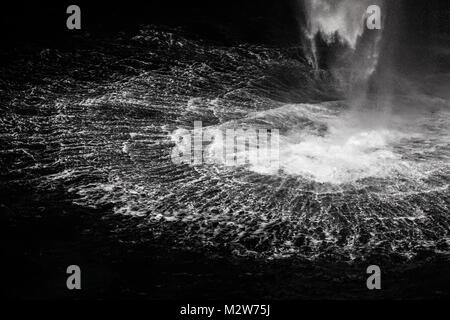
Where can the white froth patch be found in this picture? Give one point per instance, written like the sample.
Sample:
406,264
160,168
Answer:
338,159
349,151
354,146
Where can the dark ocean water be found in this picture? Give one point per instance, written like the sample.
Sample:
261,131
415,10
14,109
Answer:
86,142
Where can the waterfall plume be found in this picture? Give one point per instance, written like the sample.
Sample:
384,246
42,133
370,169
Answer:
351,52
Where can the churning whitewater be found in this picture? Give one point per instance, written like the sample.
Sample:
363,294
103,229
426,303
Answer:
353,179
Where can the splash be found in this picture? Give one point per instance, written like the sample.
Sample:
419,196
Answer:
324,143
341,147
348,152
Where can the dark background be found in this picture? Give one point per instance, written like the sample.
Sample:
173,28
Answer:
267,21
264,21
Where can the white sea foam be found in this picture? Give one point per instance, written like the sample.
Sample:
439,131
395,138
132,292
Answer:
353,146
350,150
341,158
